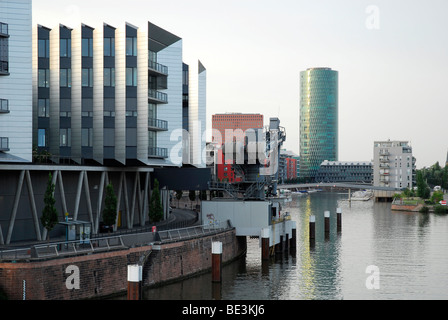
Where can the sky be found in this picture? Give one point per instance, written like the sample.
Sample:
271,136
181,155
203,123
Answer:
391,55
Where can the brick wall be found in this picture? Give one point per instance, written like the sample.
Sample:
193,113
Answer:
105,274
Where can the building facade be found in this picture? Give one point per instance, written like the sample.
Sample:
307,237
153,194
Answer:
15,81
345,171
318,120
112,95
393,164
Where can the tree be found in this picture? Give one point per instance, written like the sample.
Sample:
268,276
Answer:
423,190
49,217
110,206
155,206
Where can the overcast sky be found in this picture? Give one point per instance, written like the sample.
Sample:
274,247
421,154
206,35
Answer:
392,58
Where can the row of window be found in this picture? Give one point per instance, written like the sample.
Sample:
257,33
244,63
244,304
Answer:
65,48
65,77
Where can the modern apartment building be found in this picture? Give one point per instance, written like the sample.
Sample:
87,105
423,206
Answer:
15,81
393,164
112,95
318,120
345,171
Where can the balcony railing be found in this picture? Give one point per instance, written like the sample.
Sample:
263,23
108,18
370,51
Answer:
4,144
4,106
159,125
157,96
154,152
159,68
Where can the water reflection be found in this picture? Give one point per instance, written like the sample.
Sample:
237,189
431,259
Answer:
408,248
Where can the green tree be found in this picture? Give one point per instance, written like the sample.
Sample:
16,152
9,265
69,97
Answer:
155,206
423,190
110,206
49,216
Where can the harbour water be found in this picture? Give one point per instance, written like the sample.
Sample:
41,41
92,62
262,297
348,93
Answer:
379,254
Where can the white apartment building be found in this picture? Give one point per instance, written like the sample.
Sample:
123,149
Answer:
393,164
15,81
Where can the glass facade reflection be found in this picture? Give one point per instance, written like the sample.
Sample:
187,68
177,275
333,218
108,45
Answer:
318,120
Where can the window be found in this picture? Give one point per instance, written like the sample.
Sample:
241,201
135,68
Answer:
44,108
131,47
65,137
109,47
109,77
42,138
87,77
131,77
44,78
65,76
87,47
4,49
66,48
87,114
44,48
87,137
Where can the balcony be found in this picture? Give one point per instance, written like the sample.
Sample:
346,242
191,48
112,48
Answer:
154,152
384,159
4,106
385,165
157,125
157,69
4,30
4,67
4,144
157,97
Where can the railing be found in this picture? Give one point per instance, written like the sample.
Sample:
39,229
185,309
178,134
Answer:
158,67
194,232
4,106
4,144
158,152
157,95
159,124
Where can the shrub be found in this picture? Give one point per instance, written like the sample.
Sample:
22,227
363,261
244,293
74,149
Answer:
424,209
440,209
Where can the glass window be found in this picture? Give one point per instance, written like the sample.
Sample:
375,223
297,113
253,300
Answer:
131,77
131,47
44,48
44,108
109,77
87,47
87,77
66,48
65,137
44,78
109,47
41,138
65,76
87,137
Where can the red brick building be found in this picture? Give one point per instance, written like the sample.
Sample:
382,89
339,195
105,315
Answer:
238,123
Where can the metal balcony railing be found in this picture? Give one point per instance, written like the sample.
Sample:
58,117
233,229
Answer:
154,152
157,96
4,106
159,125
4,144
160,68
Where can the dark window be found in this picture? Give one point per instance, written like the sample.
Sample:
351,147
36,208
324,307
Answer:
87,47
44,48
131,77
44,78
66,48
44,108
87,77
4,49
109,77
131,47
65,77
109,47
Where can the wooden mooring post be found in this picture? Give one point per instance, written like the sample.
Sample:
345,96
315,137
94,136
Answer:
217,262
265,249
327,224
312,228
339,219
135,282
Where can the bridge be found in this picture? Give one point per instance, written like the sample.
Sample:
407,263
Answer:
321,185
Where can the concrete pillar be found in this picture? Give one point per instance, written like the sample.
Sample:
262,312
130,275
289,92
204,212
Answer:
293,240
312,227
327,224
265,235
339,219
135,282
216,261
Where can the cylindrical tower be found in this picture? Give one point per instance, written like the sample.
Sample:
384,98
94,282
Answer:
318,120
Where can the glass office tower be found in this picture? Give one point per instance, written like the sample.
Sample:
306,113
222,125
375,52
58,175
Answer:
318,120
